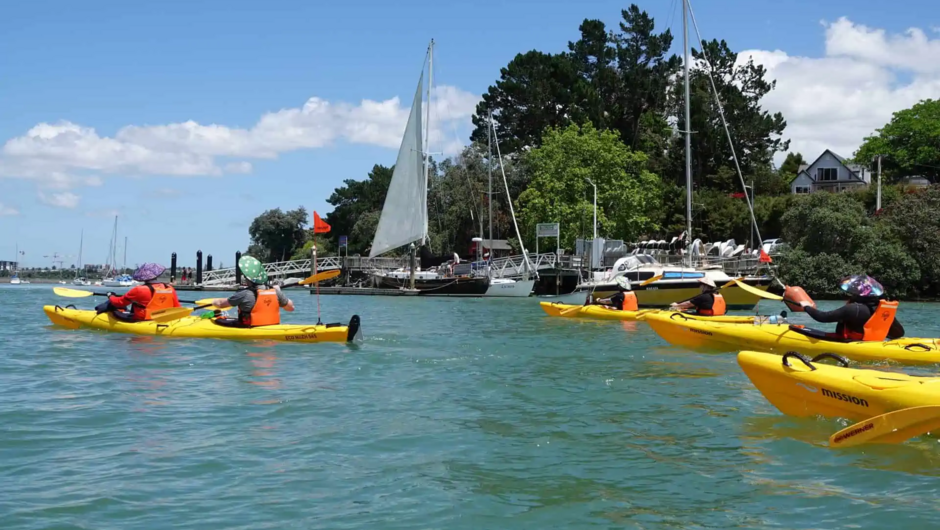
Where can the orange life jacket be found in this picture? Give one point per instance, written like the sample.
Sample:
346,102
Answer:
267,310
630,302
878,325
718,307
162,296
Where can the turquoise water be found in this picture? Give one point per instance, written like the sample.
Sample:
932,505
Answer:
451,414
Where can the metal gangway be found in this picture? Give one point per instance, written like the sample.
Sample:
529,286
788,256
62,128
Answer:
508,267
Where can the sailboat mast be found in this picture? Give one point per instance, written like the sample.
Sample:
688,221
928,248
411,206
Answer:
124,267
81,244
489,166
427,131
688,133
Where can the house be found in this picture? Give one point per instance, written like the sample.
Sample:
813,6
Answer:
7,265
830,172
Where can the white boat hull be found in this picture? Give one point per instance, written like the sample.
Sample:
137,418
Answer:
120,283
510,288
15,281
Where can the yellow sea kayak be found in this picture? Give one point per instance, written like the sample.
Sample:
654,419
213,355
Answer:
779,339
814,388
195,327
600,312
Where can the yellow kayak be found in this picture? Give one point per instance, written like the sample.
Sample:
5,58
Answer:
195,327
599,312
779,339
809,388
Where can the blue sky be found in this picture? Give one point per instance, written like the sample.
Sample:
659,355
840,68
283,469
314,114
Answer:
107,65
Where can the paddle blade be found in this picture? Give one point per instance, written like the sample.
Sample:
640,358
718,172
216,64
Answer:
205,301
71,293
757,292
173,313
319,277
891,428
651,280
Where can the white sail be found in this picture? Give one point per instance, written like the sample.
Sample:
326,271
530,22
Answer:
405,213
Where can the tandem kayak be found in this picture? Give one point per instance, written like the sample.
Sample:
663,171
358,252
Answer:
599,312
195,327
779,339
804,387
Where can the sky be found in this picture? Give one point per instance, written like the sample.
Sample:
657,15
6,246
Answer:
188,119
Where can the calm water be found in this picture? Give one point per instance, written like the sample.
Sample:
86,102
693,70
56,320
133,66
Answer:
452,414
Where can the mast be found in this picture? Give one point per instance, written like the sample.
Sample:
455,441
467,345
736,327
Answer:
427,131
16,257
124,267
81,243
489,168
688,133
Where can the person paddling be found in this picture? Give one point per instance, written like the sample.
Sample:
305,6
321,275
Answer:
866,316
257,303
142,299
708,303
623,300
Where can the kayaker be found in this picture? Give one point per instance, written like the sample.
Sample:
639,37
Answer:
143,299
709,303
623,300
258,304
866,316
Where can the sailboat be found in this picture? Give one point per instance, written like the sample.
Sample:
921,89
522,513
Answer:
404,220
676,283
80,280
15,279
123,280
503,287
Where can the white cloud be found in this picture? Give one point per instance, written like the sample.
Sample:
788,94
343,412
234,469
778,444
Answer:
8,210
837,100
65,155
64,199
238,167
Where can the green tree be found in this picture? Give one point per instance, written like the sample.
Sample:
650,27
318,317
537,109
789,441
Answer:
535,90
755,133
276,235
914,220
910,143
791,166
354,200
628,195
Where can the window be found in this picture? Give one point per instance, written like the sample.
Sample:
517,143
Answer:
827,173
802,189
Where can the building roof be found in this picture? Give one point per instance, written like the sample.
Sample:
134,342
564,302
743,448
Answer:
853,169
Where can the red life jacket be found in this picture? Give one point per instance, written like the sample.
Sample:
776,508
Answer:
266,311
718,307
878,325
162,296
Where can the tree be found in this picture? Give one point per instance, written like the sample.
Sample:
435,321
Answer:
755,133
535,90
914,220
354,200
276,235
628,195
791,166
910,143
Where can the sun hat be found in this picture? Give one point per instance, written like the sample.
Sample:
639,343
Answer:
148,271
253,269
708,281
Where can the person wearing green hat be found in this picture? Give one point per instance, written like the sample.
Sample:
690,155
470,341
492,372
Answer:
257,303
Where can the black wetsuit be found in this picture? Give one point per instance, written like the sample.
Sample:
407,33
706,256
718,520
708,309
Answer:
704,301
616,301
853,316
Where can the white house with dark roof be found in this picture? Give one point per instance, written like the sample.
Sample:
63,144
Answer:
830,172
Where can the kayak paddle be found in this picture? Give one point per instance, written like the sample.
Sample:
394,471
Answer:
78,293
319,277
891,428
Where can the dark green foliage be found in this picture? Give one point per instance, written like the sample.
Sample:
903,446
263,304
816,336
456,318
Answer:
910,143
276,235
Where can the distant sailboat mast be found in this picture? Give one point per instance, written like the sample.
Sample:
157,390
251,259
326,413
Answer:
427,138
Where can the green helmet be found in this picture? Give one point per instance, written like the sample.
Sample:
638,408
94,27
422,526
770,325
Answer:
253,269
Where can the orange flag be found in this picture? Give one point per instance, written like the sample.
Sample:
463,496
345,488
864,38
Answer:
764,257
319,225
